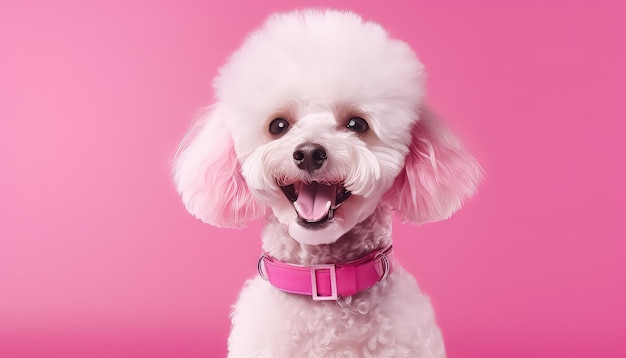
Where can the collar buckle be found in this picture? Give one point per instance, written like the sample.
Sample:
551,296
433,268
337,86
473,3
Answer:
333,282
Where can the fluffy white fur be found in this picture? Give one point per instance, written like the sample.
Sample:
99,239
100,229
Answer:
317,70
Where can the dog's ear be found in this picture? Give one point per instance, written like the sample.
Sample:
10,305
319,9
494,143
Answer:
438,174
208,177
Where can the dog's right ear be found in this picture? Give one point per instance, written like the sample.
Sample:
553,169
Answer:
208,176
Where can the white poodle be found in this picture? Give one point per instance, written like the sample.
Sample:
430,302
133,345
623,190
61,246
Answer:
320,127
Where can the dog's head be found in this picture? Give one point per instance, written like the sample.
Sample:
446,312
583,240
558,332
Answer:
320,118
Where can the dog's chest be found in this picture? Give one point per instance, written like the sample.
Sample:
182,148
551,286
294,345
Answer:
391,319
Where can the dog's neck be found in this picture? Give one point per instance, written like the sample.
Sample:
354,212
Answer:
367,236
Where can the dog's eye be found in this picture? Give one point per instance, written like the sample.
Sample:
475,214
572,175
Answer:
279,126
357,124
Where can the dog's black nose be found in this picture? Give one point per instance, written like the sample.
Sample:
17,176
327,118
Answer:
309,156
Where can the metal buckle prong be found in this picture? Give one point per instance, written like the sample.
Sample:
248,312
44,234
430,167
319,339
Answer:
333,282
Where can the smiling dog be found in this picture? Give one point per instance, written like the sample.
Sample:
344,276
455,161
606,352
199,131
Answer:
320,127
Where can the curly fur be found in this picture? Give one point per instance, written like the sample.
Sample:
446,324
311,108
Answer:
317,70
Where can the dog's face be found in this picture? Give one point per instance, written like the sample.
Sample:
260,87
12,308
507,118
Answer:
320,118
322,168
323,118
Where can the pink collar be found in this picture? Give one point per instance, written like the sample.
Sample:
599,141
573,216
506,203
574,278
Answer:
329,281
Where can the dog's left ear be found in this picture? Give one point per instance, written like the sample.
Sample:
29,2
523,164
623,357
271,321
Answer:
439,174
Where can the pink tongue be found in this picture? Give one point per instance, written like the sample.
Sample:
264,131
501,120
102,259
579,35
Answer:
314,201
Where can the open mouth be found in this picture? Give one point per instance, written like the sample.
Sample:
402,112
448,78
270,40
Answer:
315,202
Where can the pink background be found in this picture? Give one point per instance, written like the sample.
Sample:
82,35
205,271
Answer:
99,259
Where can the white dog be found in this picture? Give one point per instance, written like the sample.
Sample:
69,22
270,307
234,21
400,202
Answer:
320,127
